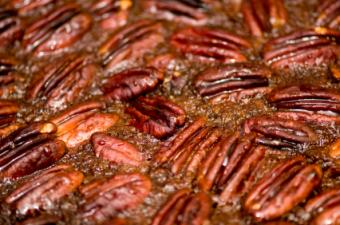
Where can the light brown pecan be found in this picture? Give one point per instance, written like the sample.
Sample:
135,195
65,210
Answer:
303,47
233,82
131,83
64,81
26,7
77,124
329,14
11,27
8,111
103,199
334,150
264,15
43,190
29,149
284,187
130,43
57,30
325,207
210,45
116,150
41,220
184,208
156,116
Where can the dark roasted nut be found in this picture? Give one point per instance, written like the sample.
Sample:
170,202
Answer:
41,220
42,191
278,132
329,14
29,149
8,111
304,47
308,103
9,76
116,150
284,187
210,45
105,198
77,124
111,14
131,83
57,30
25,7
63,82
156,116
233,82
325,208
130,43
184,208
186,11
263,15
11,27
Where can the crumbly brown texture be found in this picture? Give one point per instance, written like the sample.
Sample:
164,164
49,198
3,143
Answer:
227,115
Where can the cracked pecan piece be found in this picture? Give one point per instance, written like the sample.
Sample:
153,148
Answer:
45,189
284,187
131,83
41,220
29,149
156,116
63,82
104,198
116,150
186,11
56,30
325,207
233,82
8,111
307,103
11,27
310,47
334,150
27,7
77,124
210,45
278,132
264,15
184,208
130,43
329,14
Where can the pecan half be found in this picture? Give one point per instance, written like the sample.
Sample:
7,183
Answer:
41,220
63,82
77,124
334,150
130,43
42,191
156,116
263,15
111,14
116,150
8,111
325,207
310,103
210,45
329,14
29,149
26,7
233,82
303,47
57,30
11,27
105,198
284,187
184,207
187,11
131,83
278,132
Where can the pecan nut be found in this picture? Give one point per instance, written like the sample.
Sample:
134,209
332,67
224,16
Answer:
131,83
304,47
36,193
41,220
210,45
29,149
64,82
184,207
156,116
11,27
328,14
288,184
77,124
116,150
58,30
334,150
105,198
8,111
233,82
26,7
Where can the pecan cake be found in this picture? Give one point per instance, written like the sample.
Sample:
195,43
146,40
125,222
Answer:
170,112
